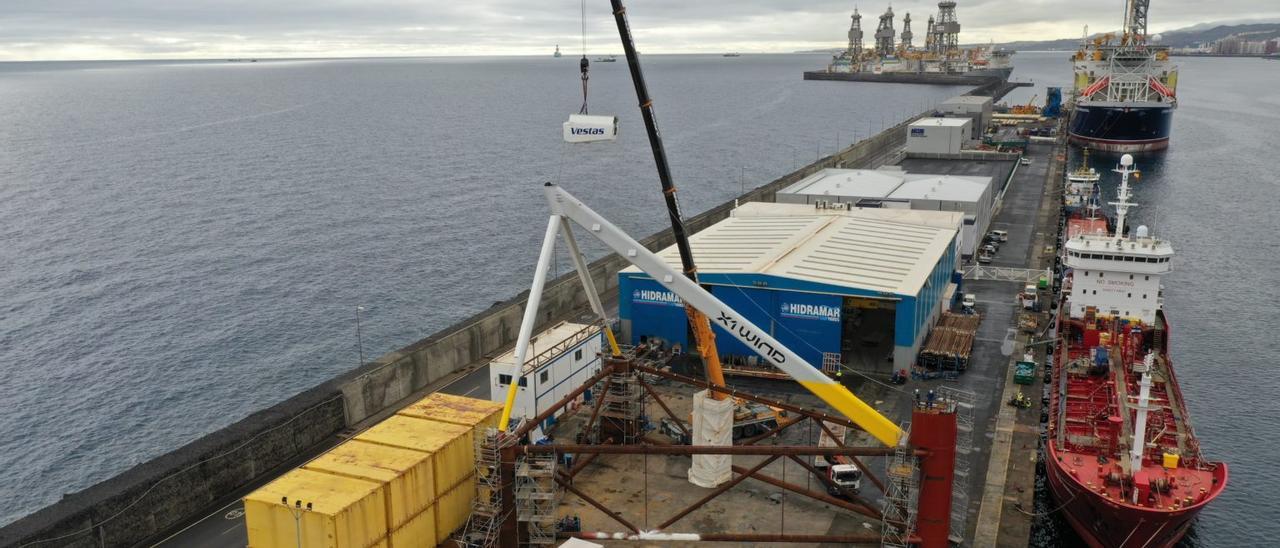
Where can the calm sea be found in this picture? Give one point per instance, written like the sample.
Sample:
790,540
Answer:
184,243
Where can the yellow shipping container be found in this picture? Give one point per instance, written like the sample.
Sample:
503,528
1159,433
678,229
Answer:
345,512
406,473
460,410
453,508
452,456
419,531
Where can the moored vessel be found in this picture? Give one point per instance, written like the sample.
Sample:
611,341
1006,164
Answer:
1081,186
1123,462
1125,89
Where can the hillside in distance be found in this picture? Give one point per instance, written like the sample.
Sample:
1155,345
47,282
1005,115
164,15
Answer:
1179,38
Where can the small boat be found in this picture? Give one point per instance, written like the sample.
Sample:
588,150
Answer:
609,59
732,54
557,53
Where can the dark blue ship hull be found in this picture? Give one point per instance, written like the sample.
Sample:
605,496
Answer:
1122,127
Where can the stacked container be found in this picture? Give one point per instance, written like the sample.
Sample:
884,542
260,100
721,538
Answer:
343,512
406,477
407,481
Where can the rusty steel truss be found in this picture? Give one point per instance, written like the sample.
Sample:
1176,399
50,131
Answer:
512,533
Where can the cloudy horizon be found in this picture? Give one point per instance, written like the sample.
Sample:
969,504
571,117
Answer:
164,29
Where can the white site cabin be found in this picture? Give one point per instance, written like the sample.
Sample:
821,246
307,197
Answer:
562,358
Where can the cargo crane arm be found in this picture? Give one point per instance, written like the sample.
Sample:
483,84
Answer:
565,207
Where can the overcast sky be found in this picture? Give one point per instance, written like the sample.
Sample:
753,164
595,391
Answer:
132,29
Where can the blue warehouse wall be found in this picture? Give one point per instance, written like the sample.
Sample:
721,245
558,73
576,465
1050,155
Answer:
803,315
652,310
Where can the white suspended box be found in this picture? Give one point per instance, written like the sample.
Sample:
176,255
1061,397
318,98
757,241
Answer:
584,128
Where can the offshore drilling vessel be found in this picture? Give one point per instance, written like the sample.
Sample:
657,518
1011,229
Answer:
1125,89
1122,458
940,56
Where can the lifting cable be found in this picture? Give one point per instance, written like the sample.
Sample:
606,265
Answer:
584,65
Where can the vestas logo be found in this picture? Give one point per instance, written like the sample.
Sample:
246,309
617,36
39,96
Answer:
587,130
650,296
811,311
751,338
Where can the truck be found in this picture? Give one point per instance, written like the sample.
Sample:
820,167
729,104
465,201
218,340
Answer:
842,473
847,476
749,419
1029,298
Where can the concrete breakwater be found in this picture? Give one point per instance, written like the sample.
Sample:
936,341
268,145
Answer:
155,498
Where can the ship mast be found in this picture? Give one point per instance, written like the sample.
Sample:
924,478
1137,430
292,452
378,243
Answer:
1122,195
1139,443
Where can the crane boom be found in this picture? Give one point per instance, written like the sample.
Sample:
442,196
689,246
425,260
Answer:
703,336
566,206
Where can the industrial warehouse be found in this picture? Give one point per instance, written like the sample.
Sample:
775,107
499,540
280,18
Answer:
891,187
858,286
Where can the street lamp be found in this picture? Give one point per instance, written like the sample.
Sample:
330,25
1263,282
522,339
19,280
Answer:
359,337
297,510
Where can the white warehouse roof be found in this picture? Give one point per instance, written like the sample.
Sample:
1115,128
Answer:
889,184
941,122
847,182
968,99
953,188
870,249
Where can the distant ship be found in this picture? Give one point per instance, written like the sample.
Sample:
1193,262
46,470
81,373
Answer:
732,54
1125,89
609,59
557,53
1081,188
1122,459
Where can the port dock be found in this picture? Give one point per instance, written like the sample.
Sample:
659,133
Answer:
454,361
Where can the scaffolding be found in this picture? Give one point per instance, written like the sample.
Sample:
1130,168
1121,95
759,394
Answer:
621,408
963,404
486,510
901,493
537,497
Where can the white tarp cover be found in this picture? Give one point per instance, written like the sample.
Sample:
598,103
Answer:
712,425
579,543
584,128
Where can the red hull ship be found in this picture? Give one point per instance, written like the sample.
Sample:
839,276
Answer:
1123,462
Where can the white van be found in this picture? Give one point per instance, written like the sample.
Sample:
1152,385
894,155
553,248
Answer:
1000,235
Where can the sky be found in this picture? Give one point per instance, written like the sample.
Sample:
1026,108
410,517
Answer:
173,29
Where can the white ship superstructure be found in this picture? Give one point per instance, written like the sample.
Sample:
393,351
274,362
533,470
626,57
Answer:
1116,275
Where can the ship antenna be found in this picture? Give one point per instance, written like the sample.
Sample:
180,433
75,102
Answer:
1122,202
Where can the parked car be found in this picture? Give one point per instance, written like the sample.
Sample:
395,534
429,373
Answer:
1000,235
1025,161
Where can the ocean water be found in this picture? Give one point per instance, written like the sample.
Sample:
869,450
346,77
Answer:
182,244
1213,194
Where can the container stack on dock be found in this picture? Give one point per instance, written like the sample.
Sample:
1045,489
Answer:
950,343
407,481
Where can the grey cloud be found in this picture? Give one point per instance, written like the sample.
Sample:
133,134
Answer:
33,29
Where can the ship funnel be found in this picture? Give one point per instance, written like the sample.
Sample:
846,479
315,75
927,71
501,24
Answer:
1126,160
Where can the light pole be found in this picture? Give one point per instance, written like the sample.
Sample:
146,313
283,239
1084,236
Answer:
297,510
359,337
